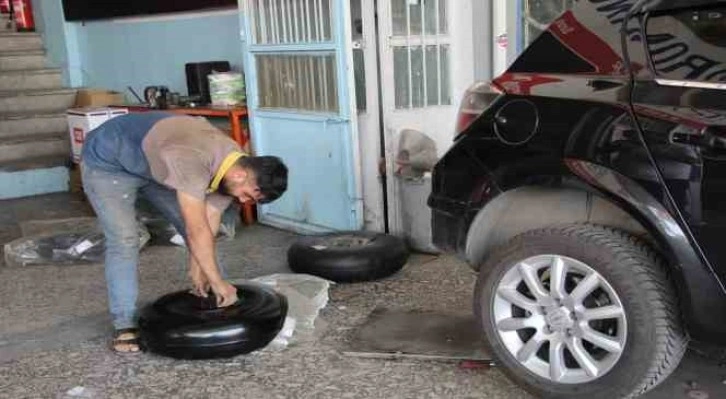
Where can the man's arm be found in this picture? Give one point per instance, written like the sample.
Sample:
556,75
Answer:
199,279
200,239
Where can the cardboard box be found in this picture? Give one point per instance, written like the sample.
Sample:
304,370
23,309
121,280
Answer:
98,98
83,120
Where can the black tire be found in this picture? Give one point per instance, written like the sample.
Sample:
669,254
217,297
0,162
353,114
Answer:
348,257
655,340
184,326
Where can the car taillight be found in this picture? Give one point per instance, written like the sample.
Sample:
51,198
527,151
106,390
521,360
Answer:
476,100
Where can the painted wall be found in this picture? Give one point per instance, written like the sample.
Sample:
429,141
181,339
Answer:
137,52
59,38
152,51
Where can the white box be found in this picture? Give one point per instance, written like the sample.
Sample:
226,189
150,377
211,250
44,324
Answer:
83,120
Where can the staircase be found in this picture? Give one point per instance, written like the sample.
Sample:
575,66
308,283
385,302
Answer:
34,143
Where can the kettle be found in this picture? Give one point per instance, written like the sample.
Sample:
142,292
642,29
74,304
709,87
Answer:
156,96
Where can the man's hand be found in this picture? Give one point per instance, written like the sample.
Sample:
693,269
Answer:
200,284
225,292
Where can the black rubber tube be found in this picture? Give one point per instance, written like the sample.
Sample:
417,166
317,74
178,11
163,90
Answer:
376,256
182,325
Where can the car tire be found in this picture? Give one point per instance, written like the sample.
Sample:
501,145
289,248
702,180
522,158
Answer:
598,294
348,257
184,326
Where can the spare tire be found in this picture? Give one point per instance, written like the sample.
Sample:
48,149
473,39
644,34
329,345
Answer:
348,257
184,326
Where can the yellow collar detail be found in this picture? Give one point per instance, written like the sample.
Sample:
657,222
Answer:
228,162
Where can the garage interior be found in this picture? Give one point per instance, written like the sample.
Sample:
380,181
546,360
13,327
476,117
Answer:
410,335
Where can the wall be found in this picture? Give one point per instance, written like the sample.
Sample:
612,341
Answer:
137,52
59,38
153,51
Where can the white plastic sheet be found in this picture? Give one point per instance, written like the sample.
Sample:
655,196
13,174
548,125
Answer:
306,296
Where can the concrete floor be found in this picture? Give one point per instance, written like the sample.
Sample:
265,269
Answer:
54,333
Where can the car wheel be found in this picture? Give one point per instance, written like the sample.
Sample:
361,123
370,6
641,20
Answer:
580,311
182,325
348,257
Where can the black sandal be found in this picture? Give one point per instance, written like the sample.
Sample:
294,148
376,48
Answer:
130,342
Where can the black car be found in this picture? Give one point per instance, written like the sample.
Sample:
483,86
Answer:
587,185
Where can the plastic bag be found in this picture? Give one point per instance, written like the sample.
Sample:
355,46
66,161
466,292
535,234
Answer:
62,248
306,296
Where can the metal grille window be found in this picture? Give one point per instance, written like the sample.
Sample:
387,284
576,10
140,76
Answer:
300,82
290,21
420,53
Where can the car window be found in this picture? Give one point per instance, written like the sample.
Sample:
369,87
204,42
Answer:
689,44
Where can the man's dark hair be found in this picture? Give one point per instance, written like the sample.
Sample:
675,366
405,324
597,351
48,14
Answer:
271,175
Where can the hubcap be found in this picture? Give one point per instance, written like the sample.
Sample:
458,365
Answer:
560,319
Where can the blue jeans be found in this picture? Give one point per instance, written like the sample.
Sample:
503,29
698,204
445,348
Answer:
113,197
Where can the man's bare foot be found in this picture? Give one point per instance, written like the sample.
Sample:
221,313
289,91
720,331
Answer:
126,341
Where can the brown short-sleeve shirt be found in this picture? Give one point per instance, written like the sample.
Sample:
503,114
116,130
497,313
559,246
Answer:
185,152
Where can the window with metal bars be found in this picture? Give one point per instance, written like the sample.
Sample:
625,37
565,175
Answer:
294,80
290,21
298,81
421,53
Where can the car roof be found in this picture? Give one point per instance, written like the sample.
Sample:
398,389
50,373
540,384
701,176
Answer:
662,5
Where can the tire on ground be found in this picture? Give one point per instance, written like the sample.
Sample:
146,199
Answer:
348,257
656,340
184,326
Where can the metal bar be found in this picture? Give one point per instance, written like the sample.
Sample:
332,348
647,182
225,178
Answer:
308,37
319,19
295,17
284,20
408,51
313,20
330,18
252,20
262,23
296,80
325,47
289,99
273,22
274,70
302,77
324,76
311,76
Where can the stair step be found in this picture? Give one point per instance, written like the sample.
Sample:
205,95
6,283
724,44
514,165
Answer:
32,79
44,162
34,176
26,124
18,148
22,60
38,101
10,41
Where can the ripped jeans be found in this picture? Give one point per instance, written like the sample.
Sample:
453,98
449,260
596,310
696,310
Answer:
113,197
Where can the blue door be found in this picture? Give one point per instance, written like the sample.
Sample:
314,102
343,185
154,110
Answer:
298,56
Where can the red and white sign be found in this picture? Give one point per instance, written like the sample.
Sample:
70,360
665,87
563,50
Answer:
83,120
